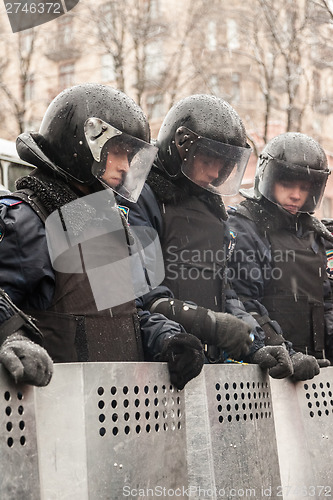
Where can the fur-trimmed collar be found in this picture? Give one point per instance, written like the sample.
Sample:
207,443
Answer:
52,191
175,191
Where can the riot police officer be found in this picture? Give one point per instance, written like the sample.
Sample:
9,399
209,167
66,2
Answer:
64,241
279,264
202,154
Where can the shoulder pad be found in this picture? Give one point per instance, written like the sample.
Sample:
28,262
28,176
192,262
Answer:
10,202
322,229
240,210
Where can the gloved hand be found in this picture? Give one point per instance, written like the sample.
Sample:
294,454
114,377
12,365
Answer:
305,366
276,359
27,362
185,357
231,334
323,363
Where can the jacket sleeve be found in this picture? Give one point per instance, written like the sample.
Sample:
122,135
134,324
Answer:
146,213
328,315
26,274
155,328
328,304
250,270
249,260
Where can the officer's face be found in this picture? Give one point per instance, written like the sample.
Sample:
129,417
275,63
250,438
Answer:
205,170
117,166
291,195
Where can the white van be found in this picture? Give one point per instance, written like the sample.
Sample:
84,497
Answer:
11,166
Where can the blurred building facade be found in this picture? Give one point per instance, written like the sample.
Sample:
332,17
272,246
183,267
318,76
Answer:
270,60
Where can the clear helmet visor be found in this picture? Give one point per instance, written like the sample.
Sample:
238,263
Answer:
215,166
121,162
296,188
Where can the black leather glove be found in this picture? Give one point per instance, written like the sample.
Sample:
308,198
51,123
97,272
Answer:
27,362
223,330
305,366
185,357
276,359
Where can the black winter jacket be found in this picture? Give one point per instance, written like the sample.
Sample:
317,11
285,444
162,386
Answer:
182,200
258,261
28,277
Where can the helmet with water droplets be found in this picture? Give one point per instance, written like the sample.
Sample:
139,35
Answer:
203,137
290,159
80,128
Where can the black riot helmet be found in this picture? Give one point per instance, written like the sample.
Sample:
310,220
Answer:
203,138
84,128
292,159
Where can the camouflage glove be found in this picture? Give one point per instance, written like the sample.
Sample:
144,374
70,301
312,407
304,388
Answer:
27,362
305,367
274,358
185,357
